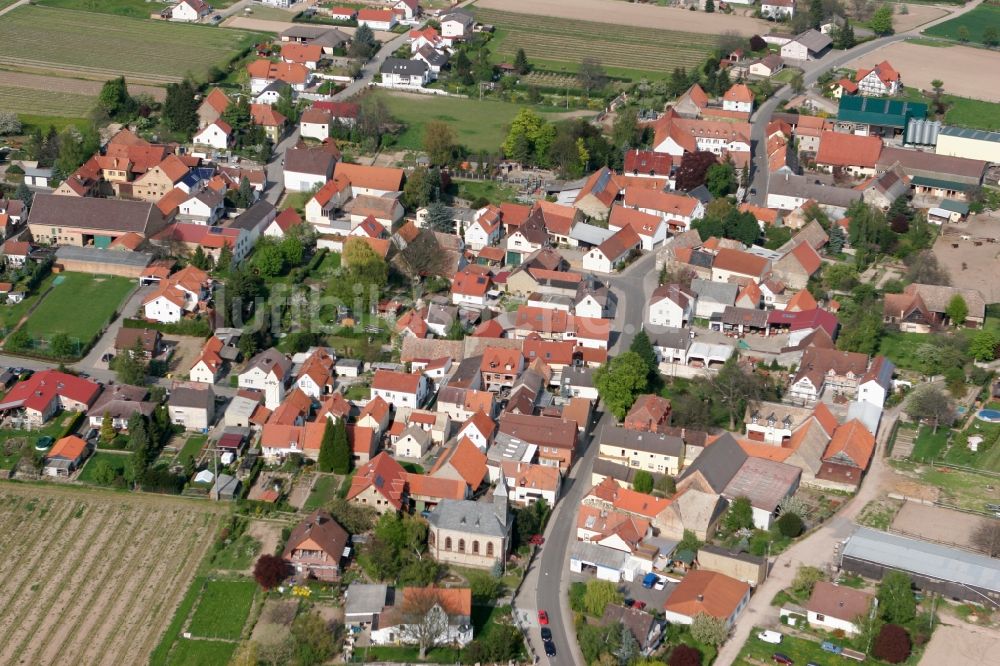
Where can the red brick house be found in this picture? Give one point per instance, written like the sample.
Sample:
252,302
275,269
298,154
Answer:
315,547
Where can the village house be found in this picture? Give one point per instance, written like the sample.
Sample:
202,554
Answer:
119,402
650,227
882,80
612,253
307,168
677,210
472,534
209,364
316,375
810,45
827,369
922,308
649,413
848,153
267,372
82,221
671,306
377,19
462,461
316,547
457,25
400,73
529,483
738,98
380,483
451,610
65,457
264,73
714,594
651,451
212,106
42,395
216,135
555,439
192,406
730,264
188,11
835,607
400,389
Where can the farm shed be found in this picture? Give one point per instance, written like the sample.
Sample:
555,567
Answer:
99,261
933,568
607,563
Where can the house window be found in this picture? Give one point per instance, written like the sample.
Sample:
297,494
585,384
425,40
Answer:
820,617
461,545
447,543
475,547
489,548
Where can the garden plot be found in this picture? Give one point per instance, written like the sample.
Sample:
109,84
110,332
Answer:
96,574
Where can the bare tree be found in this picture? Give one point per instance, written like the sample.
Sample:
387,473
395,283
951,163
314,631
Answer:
735,388
987,537
425,620
591,75
924,268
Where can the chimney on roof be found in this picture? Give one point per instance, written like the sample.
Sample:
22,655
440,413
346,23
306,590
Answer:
701,597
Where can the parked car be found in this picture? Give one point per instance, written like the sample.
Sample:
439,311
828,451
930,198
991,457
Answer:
639,605
770,636
831,647
543,618
546,634
628,602
91,434
780,658
649,580
550,649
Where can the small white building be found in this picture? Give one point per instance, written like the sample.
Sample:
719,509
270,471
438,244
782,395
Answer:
400,73
837,607
671,306
414,443
215,135
400,389
189,11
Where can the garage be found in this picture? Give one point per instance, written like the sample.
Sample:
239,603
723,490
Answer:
600,561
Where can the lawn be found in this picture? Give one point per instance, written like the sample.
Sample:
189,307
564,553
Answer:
962,111
801,651
492,191
559,44
61,312
929,444
116,460
238,555
223,608
63,39
901,348
11,314
967,490
29,121
479,124
192,447
323,492
975,21
326,268
201,653
11,444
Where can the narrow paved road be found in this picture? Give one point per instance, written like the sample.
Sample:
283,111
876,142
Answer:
812,70
632,289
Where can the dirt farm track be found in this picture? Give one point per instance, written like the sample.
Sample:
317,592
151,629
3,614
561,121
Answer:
93,577
640,15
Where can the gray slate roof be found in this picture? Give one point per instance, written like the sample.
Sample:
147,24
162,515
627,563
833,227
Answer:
365,599
114,215
926,559
718,463
802,187
715,292
104,256
403,67
650,442
470,517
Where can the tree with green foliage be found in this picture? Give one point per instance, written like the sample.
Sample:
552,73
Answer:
620,381
735,388
268,258
805,579
709,630
341,448
104,473
666,485
599,594
642,346
107,432
25,195
963,34
881,23
928,402
521,64
395,551
115,100
689,541
315,639
292,249
326,453
180,108
790,525
439,217
843,36
61,346
896,602
625,131
530,521
198,258
529,138
739,516
957,311
363,43
287,106
75,146
816,14
983,346
991,36
130,365
837,239
721,179
9,123
439,142
418,191
642,482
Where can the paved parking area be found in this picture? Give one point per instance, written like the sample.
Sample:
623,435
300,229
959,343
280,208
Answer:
654,598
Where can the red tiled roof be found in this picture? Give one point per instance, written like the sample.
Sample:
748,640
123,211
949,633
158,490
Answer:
648,162
385,475
703,591
470,283
621,242
644,224
301,53
70,447
289,72
738,92
737,261
217,99
838,149
264,114
37,391
389,179
851,440
679,205
400,382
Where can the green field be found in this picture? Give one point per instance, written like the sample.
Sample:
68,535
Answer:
323,492
975,21
962,111
478,124
929,444
192,447
134,8
560,44
61,312
201,653
102,45
756,651
116,460
29,100
223,609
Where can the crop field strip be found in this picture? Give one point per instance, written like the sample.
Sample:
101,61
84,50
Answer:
570,41
152,51
47,102
91,588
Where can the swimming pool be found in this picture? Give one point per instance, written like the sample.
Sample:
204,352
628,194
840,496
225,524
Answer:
989,415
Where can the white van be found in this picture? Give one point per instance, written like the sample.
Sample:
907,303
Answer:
770,636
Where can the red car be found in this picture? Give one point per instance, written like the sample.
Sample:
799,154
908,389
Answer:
537,540
639,605
543,618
